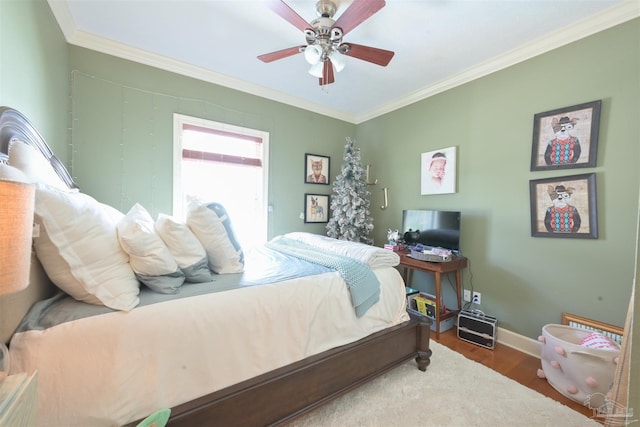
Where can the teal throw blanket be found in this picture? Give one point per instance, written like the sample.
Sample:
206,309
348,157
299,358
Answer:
361,281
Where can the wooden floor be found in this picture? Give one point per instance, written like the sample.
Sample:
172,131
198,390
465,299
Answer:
511,363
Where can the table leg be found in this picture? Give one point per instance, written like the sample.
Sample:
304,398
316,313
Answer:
407,276
438,302
459,288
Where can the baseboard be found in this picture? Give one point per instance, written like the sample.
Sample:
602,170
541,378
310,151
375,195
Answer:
519,342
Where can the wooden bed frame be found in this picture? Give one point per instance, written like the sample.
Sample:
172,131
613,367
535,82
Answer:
269,399
286,393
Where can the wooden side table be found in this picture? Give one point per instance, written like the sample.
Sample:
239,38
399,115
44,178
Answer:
457,264
19,401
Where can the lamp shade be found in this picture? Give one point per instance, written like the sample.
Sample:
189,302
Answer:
16,225
312,54
338,60
317,69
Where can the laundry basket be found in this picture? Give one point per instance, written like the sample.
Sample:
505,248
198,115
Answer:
574,369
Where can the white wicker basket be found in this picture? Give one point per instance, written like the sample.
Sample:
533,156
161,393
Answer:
580,373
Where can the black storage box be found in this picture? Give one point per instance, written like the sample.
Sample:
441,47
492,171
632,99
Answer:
478,328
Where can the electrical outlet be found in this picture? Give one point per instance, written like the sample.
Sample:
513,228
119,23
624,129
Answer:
467,295
477,298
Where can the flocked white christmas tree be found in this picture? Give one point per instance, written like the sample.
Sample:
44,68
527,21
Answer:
350,218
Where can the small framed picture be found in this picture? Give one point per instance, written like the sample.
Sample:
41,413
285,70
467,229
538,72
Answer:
564,207
316,208
438,171
566,138
316,170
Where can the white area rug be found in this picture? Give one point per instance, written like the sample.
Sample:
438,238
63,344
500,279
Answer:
454,391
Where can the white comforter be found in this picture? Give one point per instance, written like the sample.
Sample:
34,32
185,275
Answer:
115,368
373,256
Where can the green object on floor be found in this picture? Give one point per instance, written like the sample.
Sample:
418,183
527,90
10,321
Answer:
157,419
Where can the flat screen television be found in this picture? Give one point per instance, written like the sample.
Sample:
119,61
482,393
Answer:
437,228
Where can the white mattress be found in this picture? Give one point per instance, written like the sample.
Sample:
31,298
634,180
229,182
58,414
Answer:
115,368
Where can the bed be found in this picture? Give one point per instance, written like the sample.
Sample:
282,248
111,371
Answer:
257,347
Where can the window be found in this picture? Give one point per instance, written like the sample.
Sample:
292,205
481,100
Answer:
217,162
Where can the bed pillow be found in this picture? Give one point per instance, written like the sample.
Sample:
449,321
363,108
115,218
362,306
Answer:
211,225
10,173
77,243
34,165
149,257
185,248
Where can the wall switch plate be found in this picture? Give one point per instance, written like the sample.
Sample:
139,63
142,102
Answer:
467,295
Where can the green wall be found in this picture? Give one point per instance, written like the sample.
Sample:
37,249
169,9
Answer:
122,139
526,282
34,73
123,135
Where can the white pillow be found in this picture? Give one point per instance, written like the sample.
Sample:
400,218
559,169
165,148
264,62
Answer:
10,173
212,226
78,248
150,258
34,165
185,248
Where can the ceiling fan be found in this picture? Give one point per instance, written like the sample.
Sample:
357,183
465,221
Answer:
325,48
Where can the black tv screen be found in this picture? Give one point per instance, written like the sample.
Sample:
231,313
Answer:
437,228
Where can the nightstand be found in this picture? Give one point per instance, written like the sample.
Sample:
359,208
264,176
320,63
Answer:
19,401
456,265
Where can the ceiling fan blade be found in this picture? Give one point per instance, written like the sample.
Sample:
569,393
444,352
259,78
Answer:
357,13
369,54
285,11
279,54
327,74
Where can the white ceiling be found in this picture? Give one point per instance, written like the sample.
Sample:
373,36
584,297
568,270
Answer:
438,44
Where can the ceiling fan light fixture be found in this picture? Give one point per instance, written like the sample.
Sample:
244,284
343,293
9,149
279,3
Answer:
324,49
326,8
312,54
317,69
338,60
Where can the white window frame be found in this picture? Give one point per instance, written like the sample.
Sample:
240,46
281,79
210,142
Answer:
178,121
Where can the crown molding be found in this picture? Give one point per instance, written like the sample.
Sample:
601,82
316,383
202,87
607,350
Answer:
64,18
90,41
626,11
121,50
